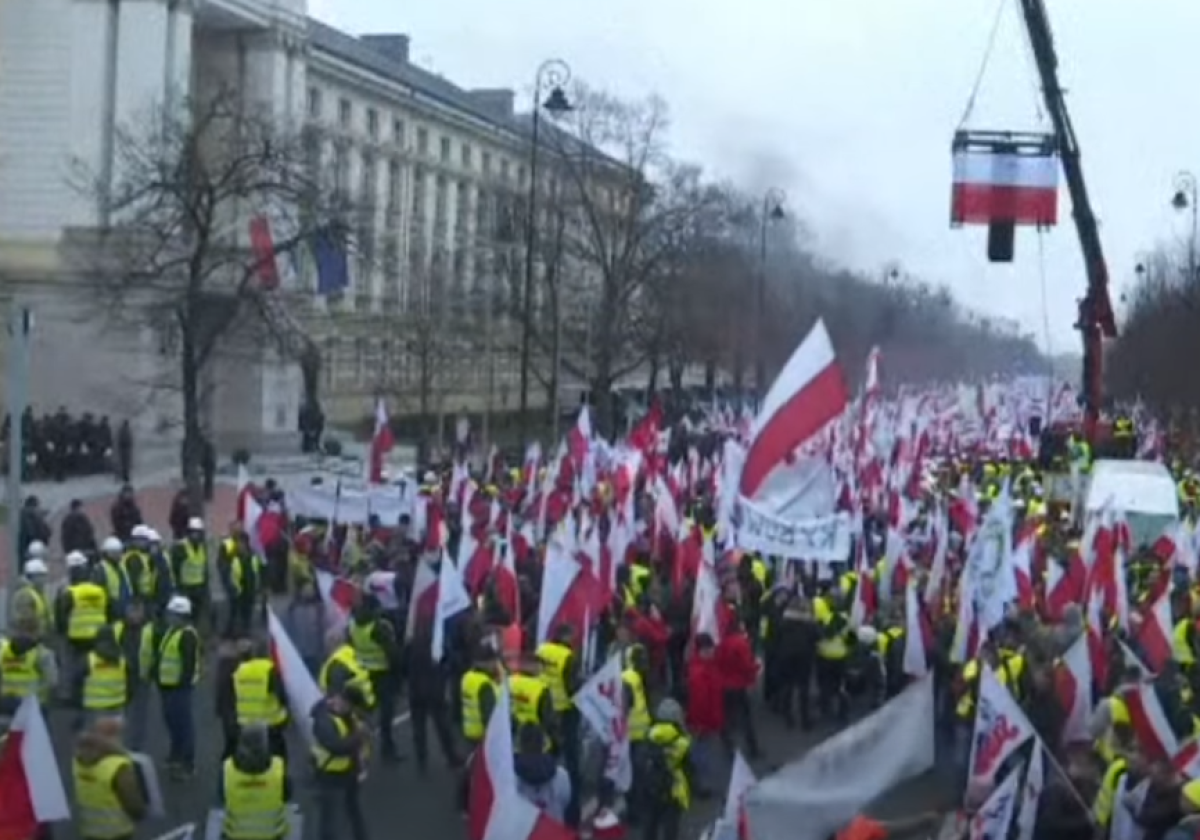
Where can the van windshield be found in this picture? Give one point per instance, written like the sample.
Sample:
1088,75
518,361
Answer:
1146,528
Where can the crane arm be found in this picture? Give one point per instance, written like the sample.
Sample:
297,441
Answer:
1096,320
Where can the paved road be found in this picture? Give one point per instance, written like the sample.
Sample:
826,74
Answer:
398,800
155,503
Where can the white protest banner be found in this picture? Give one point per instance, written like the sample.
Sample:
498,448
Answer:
825,539
601,702
819,794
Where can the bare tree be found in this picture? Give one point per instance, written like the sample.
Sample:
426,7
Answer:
628,208
1160,325
186,190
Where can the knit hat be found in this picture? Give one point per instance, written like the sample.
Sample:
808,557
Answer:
669,711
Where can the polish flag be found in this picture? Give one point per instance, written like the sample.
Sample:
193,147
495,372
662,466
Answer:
339,596
570,593
381,441
809,392
1154,632
262,247
579,439
1064,585
496,810
31,789
991,187
422,604
1073,682
452,598
1150,723
302,690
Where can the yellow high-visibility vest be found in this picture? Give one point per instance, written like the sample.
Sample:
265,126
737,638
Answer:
255,804
170,658
527,694
325,761
555,658
97,807
254,701
473,725
675,743
369,652
89,611
20,675
361,678
193,571
639,713
106,687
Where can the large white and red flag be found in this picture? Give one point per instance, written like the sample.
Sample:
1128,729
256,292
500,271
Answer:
302,690
31,788
1004,187
496,810
786,492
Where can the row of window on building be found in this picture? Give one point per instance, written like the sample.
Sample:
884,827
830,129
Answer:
373,363
372,129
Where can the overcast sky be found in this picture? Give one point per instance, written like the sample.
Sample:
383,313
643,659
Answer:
849,107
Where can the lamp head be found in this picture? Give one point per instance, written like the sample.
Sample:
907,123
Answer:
1180,200
557,103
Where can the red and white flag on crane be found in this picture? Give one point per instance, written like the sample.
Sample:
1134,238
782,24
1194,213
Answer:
991,187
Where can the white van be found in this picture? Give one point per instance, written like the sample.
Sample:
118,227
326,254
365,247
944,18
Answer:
1144,491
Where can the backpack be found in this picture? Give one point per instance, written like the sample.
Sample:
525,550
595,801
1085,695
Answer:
654,773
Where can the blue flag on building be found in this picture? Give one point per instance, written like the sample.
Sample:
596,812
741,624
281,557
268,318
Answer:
333,267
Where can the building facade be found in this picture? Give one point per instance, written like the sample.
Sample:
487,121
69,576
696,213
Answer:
434,172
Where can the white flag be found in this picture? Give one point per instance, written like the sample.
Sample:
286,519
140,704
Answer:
601,702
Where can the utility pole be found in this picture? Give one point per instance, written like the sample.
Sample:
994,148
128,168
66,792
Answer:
21,322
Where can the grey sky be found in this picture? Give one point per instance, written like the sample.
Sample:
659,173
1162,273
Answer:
849,106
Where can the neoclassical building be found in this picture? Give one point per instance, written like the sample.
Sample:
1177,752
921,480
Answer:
433,168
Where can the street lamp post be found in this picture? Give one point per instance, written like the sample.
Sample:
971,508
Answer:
551,76
1185,198
772,211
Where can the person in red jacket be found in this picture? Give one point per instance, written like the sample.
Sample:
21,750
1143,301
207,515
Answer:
651,632
705,716
739,669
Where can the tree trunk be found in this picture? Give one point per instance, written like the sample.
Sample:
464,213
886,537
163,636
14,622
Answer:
193,439
675,371
652,379
310,372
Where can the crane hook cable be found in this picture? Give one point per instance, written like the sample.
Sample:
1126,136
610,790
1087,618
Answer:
1032,77
983,65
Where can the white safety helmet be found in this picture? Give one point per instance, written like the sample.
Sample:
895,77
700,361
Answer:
140,532
868,635
179,605
37,548
36,566
195,524
76,560
111,545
